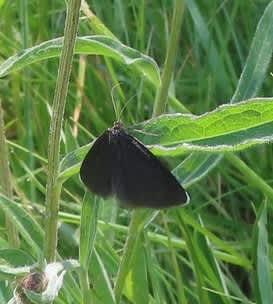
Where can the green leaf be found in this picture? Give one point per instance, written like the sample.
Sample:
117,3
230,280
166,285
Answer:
16,257
70,141
195,166
5,292
30,230
228,128
202,294
209,266
92,45
236,257
7,271
70,164
88,228
262,275
137,281
102,290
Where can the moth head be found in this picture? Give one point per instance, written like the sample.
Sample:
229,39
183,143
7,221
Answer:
117,126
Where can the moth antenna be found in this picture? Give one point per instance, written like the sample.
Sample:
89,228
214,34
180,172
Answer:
119,113
124,107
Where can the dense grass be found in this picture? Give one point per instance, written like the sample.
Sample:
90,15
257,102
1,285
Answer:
218,249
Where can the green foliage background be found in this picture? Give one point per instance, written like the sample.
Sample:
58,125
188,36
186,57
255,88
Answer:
218,249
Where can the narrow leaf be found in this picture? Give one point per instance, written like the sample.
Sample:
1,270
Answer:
262,275
96,45
30,230
228,127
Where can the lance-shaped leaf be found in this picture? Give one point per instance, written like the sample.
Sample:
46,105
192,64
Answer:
262,275
96,45
228,128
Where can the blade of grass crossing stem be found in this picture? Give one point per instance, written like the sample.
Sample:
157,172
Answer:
151,269
202,294
136,285
191,221
89,219
179,275
209,266
136,225
262,273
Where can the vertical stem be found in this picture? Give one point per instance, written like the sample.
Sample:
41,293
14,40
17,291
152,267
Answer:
5,180
27,98
162,94
88,230
128,252
180,282
202,293
53,189
84,281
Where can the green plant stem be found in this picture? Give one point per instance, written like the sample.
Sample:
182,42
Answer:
5,180
28,112
53,189
162,94
84,280
250,176
192,251
136,226
88,230
180,285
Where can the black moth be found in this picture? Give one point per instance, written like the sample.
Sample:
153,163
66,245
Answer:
119,165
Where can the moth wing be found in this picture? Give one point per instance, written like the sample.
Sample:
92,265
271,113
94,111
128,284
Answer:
96,168
140,178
